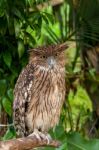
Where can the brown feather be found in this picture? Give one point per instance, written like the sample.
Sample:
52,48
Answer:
40,91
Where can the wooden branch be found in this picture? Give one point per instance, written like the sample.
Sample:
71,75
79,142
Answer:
50,2
26,143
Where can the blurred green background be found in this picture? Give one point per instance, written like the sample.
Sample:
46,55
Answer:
31,23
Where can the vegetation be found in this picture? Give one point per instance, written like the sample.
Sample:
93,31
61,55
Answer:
26,24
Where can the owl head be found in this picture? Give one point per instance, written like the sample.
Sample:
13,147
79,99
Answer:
49,56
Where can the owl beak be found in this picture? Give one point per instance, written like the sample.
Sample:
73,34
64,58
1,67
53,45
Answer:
51,61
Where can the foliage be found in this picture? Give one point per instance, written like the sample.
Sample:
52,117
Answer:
22,26
16,23
74,141
80,109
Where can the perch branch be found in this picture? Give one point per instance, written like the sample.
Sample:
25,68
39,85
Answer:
51,2
26,143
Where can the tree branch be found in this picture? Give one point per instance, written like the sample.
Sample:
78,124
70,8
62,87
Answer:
51,2
26,143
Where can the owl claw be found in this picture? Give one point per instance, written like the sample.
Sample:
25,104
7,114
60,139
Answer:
40,136
49,139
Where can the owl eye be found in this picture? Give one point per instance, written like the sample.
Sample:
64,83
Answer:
44,56
56,54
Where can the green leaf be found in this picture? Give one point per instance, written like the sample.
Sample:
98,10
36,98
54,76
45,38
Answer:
3,86
45,19
83,98
10,94
3,25
1,70
33,17
62,147
17,27
80,107
8,135
50,17
30,38
7,105
1,12
59,132
1,3
80,99
18,13
30,2
21,48
7,58
77,142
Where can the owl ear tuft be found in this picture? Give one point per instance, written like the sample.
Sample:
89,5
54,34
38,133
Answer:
35,51
61,47
50,49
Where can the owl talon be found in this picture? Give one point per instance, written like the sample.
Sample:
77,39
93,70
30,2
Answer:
49,139
40,136
36,135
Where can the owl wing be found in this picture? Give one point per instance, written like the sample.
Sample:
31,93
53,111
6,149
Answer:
22,96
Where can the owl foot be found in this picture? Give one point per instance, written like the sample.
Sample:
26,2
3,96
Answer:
41,136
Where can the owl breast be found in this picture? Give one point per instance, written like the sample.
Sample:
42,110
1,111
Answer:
48,95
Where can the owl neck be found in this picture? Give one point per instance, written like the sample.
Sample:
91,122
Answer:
56,69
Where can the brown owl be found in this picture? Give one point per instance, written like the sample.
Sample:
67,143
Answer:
40,91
